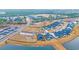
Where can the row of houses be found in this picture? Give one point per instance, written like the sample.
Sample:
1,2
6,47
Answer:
17,19
39,18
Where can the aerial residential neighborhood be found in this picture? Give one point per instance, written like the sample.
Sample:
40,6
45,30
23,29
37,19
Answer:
35,28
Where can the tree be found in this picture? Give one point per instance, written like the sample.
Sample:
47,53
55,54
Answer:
50,17
3,21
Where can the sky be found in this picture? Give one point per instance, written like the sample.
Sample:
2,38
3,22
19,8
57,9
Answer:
39,4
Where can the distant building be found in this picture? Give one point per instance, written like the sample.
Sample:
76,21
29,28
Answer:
29,20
